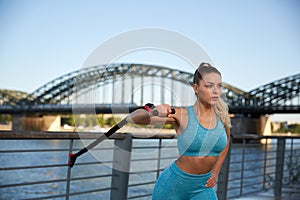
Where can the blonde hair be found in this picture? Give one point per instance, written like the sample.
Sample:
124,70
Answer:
221,108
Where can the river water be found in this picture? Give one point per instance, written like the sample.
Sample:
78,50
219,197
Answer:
56,153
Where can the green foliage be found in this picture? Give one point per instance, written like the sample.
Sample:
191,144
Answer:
168,126
111,121
89,120
4,118
101,121
292,128
73,120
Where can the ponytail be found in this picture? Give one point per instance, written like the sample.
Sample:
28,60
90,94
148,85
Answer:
221,108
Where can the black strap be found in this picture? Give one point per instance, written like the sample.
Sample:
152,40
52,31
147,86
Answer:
73,157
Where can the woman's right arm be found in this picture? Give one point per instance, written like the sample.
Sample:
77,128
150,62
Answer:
142,116
139,116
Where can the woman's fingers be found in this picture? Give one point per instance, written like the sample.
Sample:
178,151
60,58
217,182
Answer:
211,182
163,110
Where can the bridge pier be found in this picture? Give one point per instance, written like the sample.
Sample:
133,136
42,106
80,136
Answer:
51,122
244,125
21,122
265,127
251,125
17,120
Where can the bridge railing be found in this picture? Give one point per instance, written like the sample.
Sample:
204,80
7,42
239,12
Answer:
266,164
34,166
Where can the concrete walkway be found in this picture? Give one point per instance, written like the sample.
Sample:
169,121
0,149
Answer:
269,195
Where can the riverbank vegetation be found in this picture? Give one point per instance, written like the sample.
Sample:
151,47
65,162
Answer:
291,128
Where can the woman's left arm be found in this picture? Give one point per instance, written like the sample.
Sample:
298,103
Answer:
212,181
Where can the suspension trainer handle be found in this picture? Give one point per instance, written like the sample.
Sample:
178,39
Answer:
151,109
148,107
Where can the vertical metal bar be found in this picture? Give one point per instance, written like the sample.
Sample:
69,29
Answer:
223,176
103,88
132,87
103,92
279,167
121,168
152,88
291,156
113,88
162,85
123,83
265,166
242,167
69,172
142,90
158,158
172,90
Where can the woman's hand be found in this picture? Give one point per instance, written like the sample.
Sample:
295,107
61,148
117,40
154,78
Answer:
212,181
164,110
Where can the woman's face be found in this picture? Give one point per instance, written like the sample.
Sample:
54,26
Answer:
209,89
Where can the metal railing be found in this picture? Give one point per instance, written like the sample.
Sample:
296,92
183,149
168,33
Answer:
264,164
33,165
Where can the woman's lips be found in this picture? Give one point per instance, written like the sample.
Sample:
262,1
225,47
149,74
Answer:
215,98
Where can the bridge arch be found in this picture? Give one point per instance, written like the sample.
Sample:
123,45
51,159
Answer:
167,84
129,83
279,92
11,97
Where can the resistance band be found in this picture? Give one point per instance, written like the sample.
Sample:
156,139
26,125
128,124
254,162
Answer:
148,107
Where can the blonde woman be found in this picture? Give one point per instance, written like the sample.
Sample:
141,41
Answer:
203,135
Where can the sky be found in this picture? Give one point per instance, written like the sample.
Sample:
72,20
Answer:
252,42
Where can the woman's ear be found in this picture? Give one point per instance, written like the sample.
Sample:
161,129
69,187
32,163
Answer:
195,87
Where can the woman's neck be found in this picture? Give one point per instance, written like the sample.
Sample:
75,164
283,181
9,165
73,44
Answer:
205,111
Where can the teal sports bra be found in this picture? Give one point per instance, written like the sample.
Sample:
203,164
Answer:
196,140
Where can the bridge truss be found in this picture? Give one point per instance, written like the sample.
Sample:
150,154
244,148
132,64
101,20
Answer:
140,83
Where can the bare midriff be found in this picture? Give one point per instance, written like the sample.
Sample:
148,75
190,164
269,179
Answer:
196,164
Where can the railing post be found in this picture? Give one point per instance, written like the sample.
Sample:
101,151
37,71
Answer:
223,176
158,158
121,168
243,166
279,167
265,165
69,172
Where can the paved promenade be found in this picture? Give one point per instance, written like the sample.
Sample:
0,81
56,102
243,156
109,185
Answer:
269,195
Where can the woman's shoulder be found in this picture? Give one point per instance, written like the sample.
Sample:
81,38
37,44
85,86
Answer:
181,110
181,114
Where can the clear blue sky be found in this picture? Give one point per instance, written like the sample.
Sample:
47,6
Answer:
252,42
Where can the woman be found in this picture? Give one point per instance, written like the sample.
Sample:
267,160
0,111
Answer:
203,135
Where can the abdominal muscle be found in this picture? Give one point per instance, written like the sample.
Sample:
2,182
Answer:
196,164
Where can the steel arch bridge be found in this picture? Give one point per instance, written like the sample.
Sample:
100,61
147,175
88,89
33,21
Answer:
140,83
11,97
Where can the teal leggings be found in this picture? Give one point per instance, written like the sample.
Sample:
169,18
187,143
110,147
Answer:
175,184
